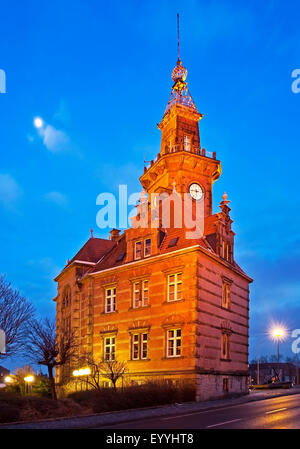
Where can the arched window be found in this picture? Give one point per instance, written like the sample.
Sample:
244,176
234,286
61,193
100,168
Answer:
66,297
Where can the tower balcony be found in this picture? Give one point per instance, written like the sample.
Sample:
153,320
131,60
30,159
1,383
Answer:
180,148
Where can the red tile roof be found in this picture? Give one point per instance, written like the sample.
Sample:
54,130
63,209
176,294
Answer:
93,250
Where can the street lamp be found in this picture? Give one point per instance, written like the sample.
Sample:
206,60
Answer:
278,333
8,379
29,379
82,372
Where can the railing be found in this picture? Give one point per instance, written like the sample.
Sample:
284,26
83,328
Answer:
177,148
191,149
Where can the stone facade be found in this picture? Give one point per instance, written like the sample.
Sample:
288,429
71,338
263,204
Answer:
173,308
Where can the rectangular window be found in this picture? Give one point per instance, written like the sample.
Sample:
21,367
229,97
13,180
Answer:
226,295
109,348
226,385
139,346
138,250
225,346
187,143
110,300
140,294
147,247
174,287
173,342
226,250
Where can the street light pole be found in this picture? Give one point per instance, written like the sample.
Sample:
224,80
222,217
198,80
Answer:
278,357
297,371
257,380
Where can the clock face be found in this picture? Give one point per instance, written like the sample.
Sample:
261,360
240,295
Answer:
196,191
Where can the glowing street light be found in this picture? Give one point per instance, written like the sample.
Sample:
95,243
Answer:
82,372
278,333
8,379
29,379
28,382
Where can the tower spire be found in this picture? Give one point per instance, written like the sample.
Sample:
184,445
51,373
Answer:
180,93
178,38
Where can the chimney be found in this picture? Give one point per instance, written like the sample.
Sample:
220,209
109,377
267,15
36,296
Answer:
114,234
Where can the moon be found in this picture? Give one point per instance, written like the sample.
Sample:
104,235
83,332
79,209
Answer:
38,122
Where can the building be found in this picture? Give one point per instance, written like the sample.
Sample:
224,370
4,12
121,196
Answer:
3,373
175,308
273,371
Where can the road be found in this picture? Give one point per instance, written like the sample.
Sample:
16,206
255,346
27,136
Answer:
277,413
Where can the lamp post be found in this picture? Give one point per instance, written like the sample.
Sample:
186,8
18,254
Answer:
278,333
29,379
82,372
8,379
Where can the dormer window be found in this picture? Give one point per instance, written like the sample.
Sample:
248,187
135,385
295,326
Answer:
138,250
147,247
142,248
226,251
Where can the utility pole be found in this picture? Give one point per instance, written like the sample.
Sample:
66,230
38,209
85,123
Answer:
297,371
257,380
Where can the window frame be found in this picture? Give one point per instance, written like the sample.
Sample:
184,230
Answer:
226,293
137,347
145,246
141,290
113,299
175,345
225,343
112,348
135,250
187,145
175,284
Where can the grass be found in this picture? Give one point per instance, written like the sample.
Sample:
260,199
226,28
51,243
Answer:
15,407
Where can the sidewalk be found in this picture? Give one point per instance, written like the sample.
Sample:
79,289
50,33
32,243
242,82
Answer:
102,419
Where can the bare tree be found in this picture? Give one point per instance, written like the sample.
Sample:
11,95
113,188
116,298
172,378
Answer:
45,348
107,369
15,312
112,370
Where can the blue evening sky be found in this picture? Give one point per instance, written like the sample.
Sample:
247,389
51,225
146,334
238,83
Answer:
98,73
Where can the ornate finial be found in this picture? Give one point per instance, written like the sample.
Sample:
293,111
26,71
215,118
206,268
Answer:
224,203
67,261
91,231
143,196
178,60
180,93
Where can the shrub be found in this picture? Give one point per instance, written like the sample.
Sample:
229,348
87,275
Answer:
147,395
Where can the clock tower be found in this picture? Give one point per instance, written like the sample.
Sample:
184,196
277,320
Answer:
181,159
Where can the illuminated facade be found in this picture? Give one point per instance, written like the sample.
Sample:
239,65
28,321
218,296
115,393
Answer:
173,308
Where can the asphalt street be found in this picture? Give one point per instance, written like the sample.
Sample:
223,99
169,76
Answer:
276,413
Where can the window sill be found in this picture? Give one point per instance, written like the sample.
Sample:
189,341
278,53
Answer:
225,308
225,360
109,313
139,360
174,301
176,357
138,308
